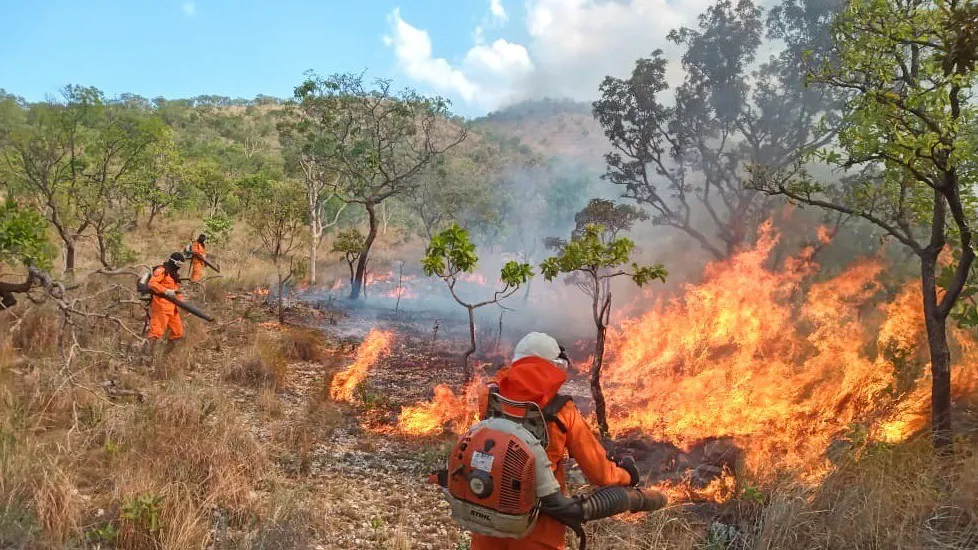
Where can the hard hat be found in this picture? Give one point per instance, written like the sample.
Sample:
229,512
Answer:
537,344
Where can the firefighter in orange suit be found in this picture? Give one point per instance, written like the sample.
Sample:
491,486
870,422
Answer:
536,374
164,314
198,250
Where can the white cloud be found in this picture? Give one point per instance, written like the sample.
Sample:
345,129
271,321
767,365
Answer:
486,76
498,11
576,43
572,45
189,9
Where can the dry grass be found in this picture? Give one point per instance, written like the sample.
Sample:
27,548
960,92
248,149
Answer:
158,469
35,333
302,344
265,366
297,438
269,403
188,448
900,497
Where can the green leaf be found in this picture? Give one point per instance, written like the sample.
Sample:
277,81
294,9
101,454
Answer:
23,236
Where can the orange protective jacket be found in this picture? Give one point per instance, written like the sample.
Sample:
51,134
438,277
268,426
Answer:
538,380
163,314
196,265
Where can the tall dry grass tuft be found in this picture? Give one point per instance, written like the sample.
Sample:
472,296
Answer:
189,449
265,366
302,344
40,506
35,334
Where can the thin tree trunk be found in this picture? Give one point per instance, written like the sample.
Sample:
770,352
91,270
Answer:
600,407
601,310
313,246
940,355
361,273
102,253
69,255
152,217
400,289
281,307
466,368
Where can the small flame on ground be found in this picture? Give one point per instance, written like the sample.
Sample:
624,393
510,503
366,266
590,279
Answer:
446,411
344,383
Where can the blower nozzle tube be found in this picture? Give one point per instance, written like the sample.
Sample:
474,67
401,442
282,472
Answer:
610,501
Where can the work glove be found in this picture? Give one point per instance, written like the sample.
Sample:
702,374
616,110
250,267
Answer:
171,294
627,463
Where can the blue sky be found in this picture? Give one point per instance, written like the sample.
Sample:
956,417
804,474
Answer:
482,54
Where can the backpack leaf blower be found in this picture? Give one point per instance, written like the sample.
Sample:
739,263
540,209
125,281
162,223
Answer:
499,478
142,286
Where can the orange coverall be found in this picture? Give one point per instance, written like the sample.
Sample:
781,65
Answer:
196,265
536,379
163,313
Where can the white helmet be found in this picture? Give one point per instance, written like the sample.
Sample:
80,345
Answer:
538,344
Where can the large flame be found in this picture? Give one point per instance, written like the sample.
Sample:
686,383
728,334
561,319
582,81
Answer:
785,370
445,411
344,383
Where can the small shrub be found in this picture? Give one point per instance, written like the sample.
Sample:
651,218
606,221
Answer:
106,533
371,398
434,455
143,511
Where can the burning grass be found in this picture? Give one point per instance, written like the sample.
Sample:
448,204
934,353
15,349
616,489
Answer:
445,412
343,385
747,354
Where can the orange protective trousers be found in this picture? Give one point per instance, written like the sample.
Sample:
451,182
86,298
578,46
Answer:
578,441
160,320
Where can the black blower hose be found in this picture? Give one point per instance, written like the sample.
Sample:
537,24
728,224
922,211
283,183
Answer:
603,503
611,501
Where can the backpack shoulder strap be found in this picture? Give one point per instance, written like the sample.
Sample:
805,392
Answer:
553,407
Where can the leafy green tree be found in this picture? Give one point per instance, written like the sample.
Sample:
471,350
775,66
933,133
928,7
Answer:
374,139
164,184
77,160
213,184
683,156
450,254
277,219
349,243
593,257
307,140
909,128
23,236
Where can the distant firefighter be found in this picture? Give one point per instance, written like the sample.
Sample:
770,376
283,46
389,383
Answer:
199,252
